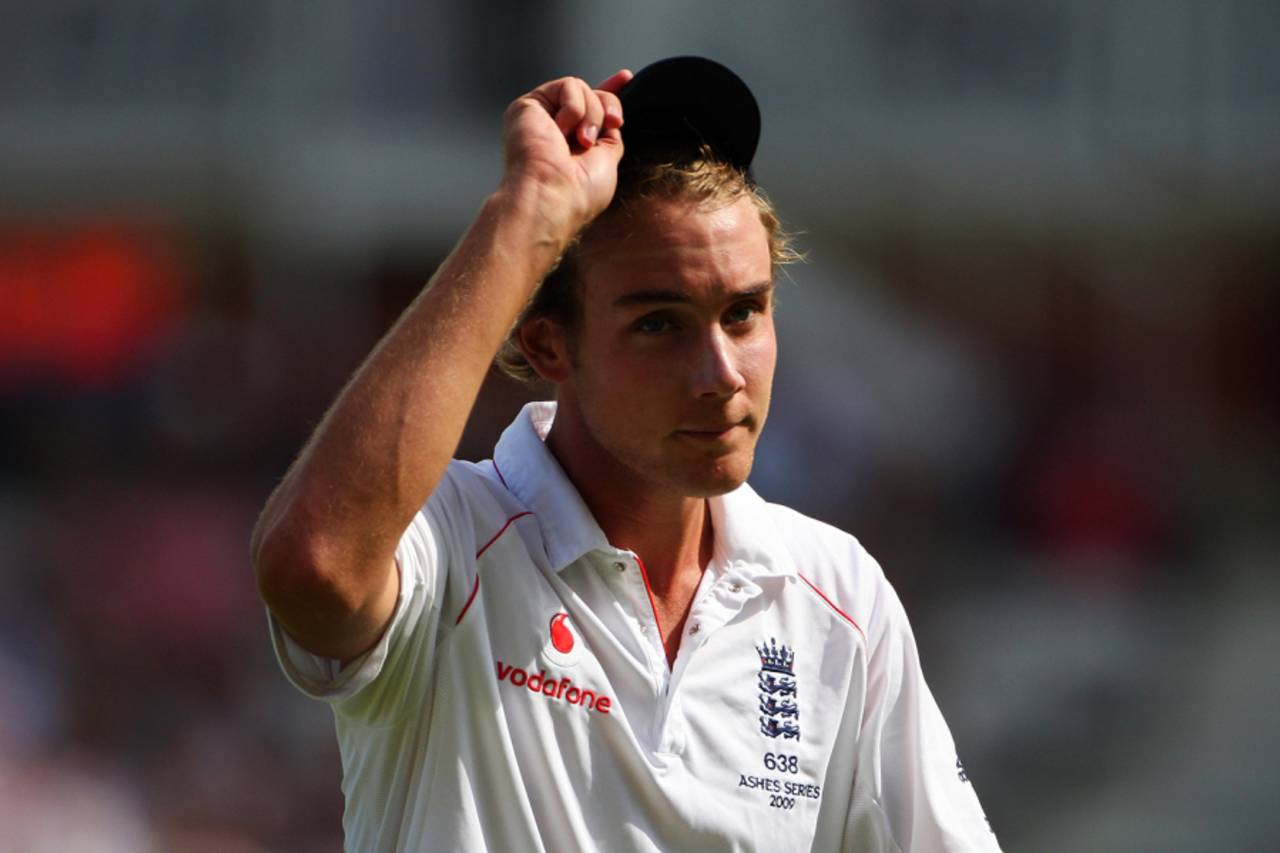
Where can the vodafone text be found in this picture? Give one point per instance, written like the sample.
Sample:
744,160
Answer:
561,689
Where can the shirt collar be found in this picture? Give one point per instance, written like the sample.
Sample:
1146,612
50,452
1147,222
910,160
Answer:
746,536
533,475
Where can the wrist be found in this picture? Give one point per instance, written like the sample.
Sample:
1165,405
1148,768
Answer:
523,231
552,218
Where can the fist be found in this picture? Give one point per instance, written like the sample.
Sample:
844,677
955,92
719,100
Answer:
562,143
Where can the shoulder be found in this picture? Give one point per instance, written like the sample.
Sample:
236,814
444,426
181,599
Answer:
833,565
471,495
478,484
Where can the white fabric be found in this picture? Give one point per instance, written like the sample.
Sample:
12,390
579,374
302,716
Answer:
445,746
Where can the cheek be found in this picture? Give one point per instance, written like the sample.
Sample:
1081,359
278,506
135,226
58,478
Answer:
622,366
616,383
760,357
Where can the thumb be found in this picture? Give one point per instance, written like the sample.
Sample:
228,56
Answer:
608,145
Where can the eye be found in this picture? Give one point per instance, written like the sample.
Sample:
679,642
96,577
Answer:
743,312
652,324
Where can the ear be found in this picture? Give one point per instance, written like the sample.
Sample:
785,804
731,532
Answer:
546,346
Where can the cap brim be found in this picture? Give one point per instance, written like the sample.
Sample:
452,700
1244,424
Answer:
674,106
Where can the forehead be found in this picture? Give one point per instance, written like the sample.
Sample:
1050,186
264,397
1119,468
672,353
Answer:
674,243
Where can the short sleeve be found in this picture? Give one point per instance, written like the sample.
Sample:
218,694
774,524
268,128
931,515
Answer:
376,685
910,792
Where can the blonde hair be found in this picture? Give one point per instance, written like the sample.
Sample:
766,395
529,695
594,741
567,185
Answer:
705,181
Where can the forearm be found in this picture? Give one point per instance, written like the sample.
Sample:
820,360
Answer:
384,444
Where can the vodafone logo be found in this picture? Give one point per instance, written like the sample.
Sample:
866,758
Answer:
561,648
561,635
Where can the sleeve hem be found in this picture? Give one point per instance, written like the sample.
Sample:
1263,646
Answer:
327,679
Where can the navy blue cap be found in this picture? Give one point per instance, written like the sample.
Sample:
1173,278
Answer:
676,105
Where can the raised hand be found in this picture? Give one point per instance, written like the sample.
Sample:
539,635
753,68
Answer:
561,145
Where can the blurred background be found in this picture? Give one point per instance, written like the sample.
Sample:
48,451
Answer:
1033,364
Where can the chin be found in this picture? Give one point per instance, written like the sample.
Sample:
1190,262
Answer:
719,480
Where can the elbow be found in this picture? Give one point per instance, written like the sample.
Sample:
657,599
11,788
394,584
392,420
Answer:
296,579
315,592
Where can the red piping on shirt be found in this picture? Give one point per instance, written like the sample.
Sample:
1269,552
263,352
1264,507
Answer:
498,471
833,606
483,548
470,598
644,576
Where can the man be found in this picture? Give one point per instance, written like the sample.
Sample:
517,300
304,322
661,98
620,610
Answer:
601,638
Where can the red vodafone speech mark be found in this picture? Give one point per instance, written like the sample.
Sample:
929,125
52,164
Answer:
561,636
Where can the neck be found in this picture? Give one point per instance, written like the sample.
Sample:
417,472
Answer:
674,540
670,532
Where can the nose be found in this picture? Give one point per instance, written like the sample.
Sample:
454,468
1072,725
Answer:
715,369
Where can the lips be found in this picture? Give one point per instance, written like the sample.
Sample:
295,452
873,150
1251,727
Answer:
711,432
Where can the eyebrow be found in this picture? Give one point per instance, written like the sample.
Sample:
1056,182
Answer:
646,297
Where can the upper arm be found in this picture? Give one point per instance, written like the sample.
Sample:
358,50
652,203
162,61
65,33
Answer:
331,604
387,668
907,761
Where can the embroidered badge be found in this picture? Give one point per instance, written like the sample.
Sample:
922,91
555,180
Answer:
779,712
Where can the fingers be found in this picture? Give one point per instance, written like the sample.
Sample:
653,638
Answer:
607,92
584,115
616,81
593,121
568,104
612,109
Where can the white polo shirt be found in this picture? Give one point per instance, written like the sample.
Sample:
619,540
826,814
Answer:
521,699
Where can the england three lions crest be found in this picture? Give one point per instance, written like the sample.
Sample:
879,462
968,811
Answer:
779,711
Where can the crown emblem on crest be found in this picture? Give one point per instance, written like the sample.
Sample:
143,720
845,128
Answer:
775,658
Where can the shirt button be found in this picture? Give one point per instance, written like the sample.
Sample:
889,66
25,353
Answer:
737,587
695,628
620,566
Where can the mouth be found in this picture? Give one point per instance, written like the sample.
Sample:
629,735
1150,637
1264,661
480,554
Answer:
712,433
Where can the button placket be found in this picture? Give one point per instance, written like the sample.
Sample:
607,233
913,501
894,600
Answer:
728,596
672,737
706,617
642,608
